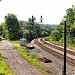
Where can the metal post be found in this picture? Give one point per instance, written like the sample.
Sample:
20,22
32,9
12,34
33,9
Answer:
64,48
23,29
33,25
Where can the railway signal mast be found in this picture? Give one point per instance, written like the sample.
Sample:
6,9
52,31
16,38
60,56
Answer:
41,19
32,20
23,41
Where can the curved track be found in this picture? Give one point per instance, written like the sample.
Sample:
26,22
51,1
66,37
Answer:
56,51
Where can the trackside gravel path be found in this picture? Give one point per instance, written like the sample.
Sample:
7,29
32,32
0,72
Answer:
19,65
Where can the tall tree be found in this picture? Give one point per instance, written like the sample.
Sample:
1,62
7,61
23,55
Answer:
70,17
13,27
57,34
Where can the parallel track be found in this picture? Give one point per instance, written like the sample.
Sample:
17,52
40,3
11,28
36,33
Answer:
57,47
70,61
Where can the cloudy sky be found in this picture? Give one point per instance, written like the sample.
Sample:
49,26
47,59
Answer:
51,10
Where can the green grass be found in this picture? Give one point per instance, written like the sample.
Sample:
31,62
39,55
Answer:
71,46
54,42
32,58
4,68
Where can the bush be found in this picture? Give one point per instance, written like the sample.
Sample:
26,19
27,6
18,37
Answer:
0,53
56,36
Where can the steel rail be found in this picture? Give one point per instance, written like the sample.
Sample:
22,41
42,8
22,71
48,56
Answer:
54,53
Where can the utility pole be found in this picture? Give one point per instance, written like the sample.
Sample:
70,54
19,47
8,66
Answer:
64,47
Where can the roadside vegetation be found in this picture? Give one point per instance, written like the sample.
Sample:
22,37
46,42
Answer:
57,35
4,68
32,58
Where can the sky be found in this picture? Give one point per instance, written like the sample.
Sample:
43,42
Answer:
51,10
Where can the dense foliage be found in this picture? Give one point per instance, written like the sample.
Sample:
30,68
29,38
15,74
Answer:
57,33
13,29
1,29
12,26
34,30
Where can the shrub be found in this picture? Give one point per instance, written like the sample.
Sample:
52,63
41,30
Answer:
56,36
0,53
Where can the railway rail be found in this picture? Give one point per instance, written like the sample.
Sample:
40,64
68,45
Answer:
56,51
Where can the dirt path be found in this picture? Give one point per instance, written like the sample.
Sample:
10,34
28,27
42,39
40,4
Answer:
15,61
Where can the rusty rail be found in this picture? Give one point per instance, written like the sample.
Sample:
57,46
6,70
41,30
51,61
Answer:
54,53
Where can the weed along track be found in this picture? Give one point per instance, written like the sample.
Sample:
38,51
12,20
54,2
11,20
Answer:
56,51
58,47
18,64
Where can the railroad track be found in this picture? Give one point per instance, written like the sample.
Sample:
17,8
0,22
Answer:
56,51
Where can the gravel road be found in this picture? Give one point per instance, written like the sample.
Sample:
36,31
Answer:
19,65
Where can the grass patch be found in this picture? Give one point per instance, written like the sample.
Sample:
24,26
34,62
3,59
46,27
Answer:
71,46
4,68
32,58
54,42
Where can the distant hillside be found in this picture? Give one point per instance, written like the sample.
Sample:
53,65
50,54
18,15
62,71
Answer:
52,26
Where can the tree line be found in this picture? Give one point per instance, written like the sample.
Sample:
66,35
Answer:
14,29
57,33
